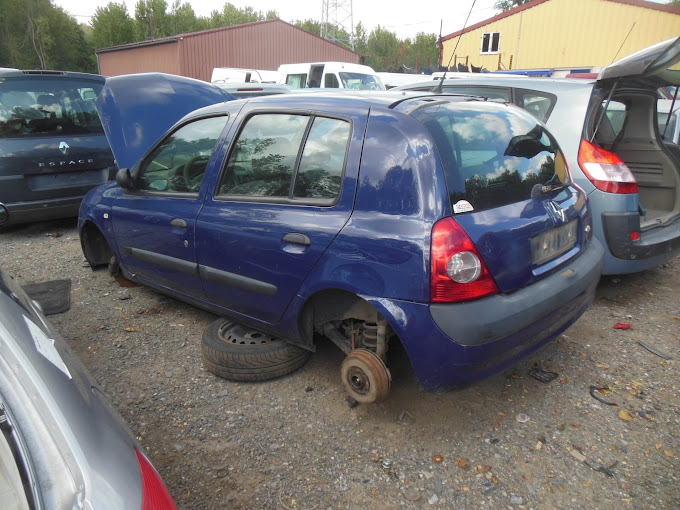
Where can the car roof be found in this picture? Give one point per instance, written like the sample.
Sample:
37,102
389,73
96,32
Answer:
506,80
334,101
15,73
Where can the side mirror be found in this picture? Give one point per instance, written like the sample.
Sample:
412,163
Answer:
124,178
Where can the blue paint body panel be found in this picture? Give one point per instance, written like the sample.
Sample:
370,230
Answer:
236,255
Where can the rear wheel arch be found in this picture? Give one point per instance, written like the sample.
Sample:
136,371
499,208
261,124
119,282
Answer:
333,306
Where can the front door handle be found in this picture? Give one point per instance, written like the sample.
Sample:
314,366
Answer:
295,238
179,223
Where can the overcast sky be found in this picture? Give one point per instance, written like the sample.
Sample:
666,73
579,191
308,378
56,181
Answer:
404,17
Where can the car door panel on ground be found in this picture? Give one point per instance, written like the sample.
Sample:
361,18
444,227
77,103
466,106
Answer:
282,198
154,224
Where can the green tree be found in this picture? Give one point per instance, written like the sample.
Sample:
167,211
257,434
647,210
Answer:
382,49
674,3
506,5
152,19
34,34
112,26
309,25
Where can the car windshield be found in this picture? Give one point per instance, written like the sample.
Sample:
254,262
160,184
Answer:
492,157
360,81
45,106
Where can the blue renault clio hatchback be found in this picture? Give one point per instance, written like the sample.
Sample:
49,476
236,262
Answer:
448,224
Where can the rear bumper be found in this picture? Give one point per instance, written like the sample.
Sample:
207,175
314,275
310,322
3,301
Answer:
659,243
453,345
40,210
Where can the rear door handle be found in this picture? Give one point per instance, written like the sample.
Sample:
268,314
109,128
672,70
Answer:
179,223
295,238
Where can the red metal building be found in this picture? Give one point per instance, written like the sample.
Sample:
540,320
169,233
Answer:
258,45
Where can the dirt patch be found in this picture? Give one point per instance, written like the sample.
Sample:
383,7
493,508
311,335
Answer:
295,443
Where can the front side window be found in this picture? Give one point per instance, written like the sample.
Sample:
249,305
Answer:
330,81
490,42
297,81
178,163
264,159
48,106
492,157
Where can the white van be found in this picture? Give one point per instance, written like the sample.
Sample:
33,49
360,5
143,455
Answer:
235,74
330,75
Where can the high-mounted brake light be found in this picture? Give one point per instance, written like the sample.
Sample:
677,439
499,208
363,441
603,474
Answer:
155,495
605,169
458,272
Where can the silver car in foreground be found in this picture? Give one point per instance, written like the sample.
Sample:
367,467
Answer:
607,128
62,445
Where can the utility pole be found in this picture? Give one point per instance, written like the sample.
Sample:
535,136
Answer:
337,22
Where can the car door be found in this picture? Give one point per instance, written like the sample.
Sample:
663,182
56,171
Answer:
154,222
285,192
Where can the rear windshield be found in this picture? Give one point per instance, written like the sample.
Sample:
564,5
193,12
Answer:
48,106
492,156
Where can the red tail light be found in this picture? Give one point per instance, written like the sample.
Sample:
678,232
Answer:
605,169
458,272
155,495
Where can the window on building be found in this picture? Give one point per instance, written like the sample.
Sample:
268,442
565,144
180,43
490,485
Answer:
490,42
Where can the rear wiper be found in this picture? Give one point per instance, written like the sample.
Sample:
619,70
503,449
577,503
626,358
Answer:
542,189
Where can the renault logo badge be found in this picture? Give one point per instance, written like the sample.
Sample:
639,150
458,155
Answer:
558,211
63,147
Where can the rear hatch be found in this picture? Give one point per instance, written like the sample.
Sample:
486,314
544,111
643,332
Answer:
623,120
52,144
509,188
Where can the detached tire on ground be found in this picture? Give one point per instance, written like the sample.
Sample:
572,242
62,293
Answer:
240,353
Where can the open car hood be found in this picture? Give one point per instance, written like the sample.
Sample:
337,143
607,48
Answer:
136,110
650,64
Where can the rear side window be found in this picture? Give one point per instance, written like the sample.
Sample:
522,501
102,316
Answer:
538,104
264,162
48,106
492,156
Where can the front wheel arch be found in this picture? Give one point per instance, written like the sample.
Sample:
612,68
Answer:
94,245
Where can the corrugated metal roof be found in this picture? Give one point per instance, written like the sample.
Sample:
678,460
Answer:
636,3
175,38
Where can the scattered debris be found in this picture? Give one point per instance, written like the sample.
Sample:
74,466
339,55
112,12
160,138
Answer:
352,403
309,389
545,376
624,415
606,470
600,389
654,350
437,459
402,418
438,486
433,499
522,418
516,500
622,325
54,234
577,455
463,464
411,494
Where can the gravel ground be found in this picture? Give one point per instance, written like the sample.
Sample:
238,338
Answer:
511,441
